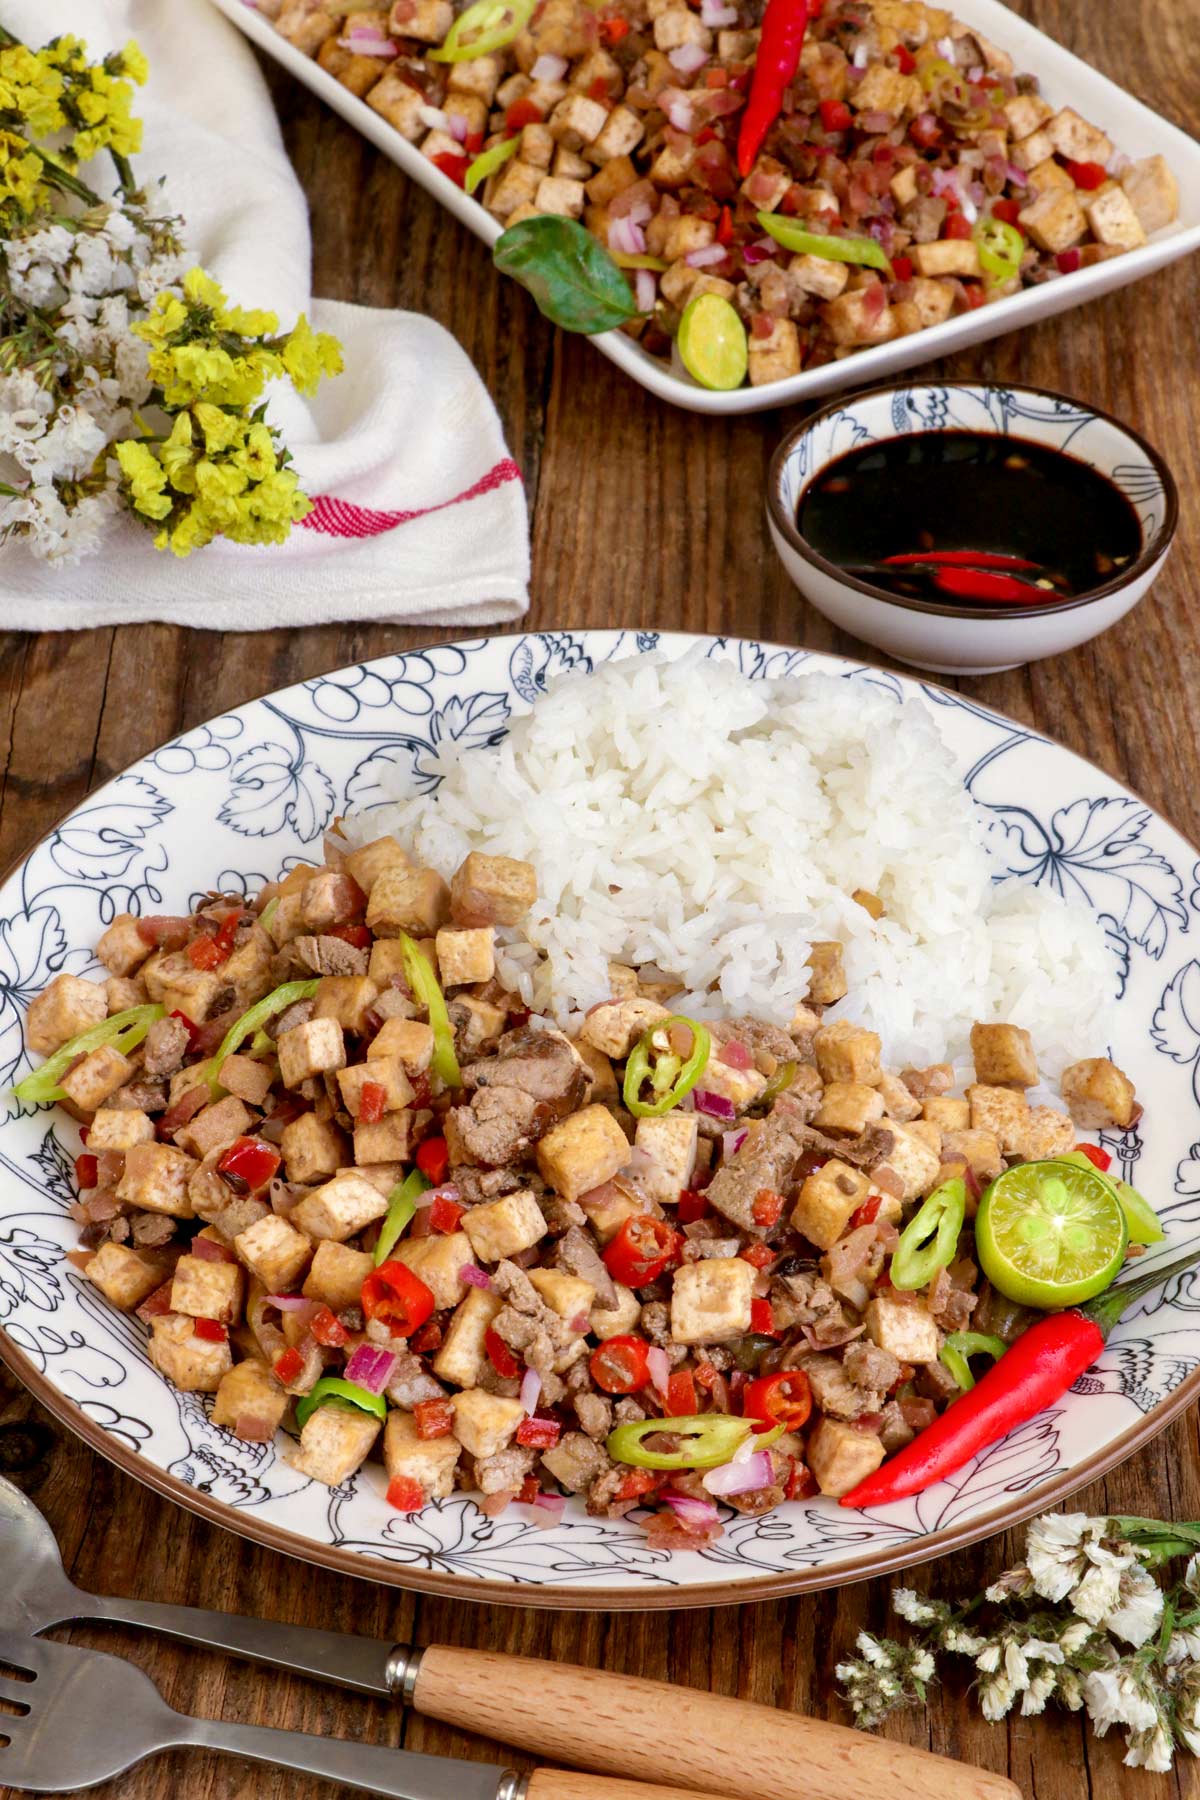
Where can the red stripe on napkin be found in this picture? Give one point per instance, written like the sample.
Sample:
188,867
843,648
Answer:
342,518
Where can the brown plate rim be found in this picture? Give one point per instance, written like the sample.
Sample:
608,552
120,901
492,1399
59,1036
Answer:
365,1567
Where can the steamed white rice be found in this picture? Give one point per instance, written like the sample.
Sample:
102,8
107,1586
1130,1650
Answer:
680,814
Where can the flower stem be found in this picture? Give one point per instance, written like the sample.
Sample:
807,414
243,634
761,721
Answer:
63,178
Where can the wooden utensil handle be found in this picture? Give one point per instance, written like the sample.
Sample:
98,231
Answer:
569,1784
655,1731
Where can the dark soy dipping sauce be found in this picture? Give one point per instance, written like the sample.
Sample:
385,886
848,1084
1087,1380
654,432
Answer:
933,491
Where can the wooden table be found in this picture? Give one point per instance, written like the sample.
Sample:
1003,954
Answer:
641,515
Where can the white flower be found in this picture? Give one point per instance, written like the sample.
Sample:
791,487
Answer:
1034,1699
1097,1594
996,1697
1187,1705
1016,1666
1053,1551
1191,1575
1184,1646
1150,1750
913,1606
67,450
988,1660
967,1643
872,1651
923,1666
1116,1696
1070,1690
1074,1636
1138,1613
120,230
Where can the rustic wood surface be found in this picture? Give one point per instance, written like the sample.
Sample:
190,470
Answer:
642,515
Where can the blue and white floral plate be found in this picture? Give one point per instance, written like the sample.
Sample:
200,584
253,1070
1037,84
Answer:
230,802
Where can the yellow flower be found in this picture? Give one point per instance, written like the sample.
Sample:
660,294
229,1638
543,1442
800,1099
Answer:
20,171
178,456
202,290
220,428
309,354
32,87
132,62
146,478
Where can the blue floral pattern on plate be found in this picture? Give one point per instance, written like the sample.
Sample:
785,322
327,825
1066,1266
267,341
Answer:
230,802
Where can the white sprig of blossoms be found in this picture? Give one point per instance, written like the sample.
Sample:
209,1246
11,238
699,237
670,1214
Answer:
1082,1623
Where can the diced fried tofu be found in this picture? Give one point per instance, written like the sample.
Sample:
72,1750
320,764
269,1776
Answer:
711,1300
603,1076
466,109
171,979
466,955
505,1227
934,300
568,1295
1153,191
584,1151
861,316
1003,1112
827,982
680,237
366,864
614,1321
335,1440
313,1148
492,890
946,256
898,1101
395,100
1075,139
904,185
336,1275
671,1142
1025,112
1032,151
614,176
672,166
608,1211
414,901
124,1275
1004,1056
577,121
208,1290
947,1113
537,146
346,998
463,1353
305,25
479,75
121,992
678,26
1113,220
123,949
386,1072
615,1026
313,1048
249,1391
1055,220
1048,1133
1098,1094
426,20
903,1327
409,1039
476,1022
438,1261
101,1072
980,1150
120,1128
840,1456
741,1086
913,1158
246,1077
484,1424
388,1140
1048,174
818,275
274,1252
827,1200
557,195
847,1052
623,131
776,356
430,1462
340,1208
195,1364
886,90
214,1125
156,1179
766,184
848,1106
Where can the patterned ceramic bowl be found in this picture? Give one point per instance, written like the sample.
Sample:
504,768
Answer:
969,640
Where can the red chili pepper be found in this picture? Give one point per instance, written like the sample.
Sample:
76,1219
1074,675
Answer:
405,1494
762,1319
202,953
433,1160
453,164
520,114
692,1206
251,1161
836,115
472,144
707,1376
85,1133
433,1418
189,1025
613,30
716,78
428,1338
501,1356
87,1171
1036,1371
982,584
783,27
902,268
1100,1158
396,1297
905,59
725,227
356,935
1087,175
681,1395
157,1303
641,1250
538,1433
784,1399
287,1365
767,1208
956,227
328,1329
211,1330
705,135
867,1213
973,559
925,130
372,1103
1007,211
759,1256
444,1215
801,1483
621,1365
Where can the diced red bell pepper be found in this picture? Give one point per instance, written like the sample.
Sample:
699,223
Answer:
202,953
725,227
692,1206
762,1319
716,78
902,268
433,1160
328,1329
759,1256
705,135
189,1025
251,1161
87,1171
707,1376
356,935
1087,175
906,62
1068,261
973,295
767,1208
1006,211
521,113
371,1103
621,1365
157,1303
641,1250
288,1365
925,130
1095,1155
472,144
428,1338
681,1395
397,1297
85,1132
836,115
501,1356
211,1330
598,89
433,1418
405,1494
444,1215
801,1483
529,1490
451,164
613,30
539,1433
639,1482
957,227
867,1213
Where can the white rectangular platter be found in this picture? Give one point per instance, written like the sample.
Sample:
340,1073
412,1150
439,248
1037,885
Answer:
1065,80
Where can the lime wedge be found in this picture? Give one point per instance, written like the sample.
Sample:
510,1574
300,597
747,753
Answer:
712,342
1140,1216
1050,1234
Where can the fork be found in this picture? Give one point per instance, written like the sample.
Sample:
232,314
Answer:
74,1717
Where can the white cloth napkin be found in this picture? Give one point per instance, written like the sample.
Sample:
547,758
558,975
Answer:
420,512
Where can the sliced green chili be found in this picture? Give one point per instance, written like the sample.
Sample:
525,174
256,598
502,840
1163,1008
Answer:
124,1031
488,25
715,1438
781,1080
334,1388
929,1241
242,1028
793,236
418,972
1001,247
268,913
402,1204
961,1345
489,160
640,261
670,1075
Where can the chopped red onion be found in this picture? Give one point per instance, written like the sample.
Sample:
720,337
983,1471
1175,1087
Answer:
715,14
715,1105
369,43
706,256
691,1512
474,1276
1117,164
731,1142
861,57
645,290
687,58
531,1388
457,126
288,1302
555,1503
680,114
449,1190
1018,177
975,74
626,237
875,121
581,1322
659,1364
432,117
548,68
371,1368
946,49
741,1478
